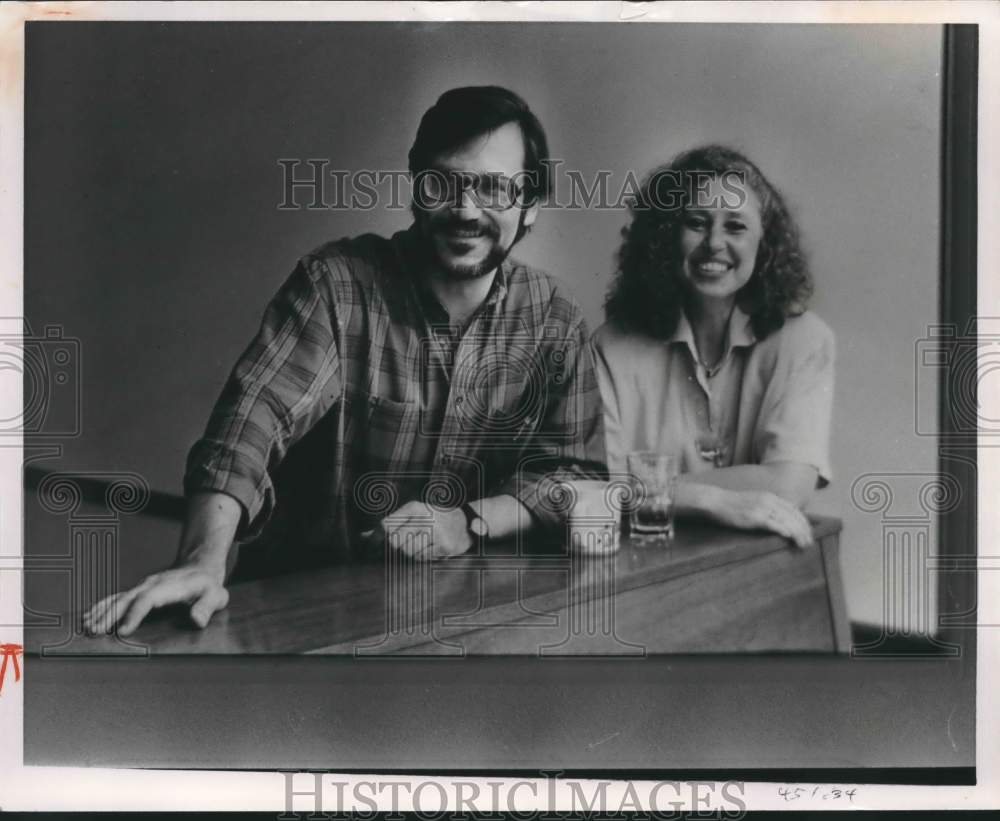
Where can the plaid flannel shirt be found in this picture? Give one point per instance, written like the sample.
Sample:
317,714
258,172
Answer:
356,363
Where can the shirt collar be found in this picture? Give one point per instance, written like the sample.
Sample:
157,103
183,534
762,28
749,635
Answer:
501,282
739,332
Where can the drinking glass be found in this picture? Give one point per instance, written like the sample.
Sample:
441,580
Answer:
652,477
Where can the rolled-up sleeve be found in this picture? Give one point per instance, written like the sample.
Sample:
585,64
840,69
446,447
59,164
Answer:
283,383
614,434
794,425
569,442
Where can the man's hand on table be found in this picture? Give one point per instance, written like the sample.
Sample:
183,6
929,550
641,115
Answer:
197,585
424,532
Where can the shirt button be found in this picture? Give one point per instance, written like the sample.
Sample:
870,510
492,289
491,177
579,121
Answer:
459,399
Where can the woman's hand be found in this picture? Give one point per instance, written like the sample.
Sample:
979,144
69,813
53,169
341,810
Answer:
196,585
746,510
761,510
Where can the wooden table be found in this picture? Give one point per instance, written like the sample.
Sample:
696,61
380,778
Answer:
711,590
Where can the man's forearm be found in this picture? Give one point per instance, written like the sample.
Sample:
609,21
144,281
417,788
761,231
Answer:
504,515
209,530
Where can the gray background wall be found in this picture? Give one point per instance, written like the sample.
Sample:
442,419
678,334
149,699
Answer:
153,234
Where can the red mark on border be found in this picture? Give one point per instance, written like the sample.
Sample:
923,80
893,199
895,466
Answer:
10,651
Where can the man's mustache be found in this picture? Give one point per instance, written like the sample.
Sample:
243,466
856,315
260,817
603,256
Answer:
485,228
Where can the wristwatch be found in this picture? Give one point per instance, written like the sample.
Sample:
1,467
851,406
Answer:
475,524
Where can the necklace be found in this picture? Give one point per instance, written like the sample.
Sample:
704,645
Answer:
712,370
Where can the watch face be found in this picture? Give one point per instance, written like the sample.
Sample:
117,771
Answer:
477,527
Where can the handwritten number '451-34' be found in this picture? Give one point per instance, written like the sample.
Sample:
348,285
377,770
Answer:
821,791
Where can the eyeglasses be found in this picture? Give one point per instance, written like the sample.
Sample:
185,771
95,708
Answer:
493,191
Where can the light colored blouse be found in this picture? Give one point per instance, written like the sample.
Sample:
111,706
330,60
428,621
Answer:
766,401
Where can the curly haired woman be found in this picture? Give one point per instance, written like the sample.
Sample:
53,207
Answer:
709,352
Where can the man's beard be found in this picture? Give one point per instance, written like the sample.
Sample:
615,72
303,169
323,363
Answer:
436,234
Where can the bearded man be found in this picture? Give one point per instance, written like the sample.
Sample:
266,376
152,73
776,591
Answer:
424,392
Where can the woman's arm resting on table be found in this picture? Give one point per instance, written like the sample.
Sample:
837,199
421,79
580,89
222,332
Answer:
765,497
197,578
793,481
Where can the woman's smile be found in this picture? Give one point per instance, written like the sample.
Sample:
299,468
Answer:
718,248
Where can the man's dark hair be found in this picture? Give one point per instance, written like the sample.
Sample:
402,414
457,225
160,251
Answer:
461,114
647,293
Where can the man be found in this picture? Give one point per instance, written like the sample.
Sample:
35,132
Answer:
444,388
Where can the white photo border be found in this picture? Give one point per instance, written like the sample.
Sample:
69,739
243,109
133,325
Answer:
30,788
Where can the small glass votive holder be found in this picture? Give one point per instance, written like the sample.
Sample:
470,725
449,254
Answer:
594,520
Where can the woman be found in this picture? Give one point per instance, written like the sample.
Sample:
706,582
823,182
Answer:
709,353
